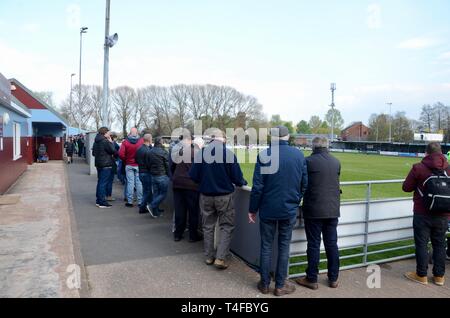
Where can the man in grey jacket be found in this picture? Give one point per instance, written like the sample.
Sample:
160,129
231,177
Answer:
321,210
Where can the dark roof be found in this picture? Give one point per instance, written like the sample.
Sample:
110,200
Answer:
51,109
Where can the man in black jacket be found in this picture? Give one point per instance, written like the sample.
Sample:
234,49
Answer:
143,160
103,151
321,210
159,170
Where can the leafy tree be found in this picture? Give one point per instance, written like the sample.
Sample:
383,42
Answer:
303,127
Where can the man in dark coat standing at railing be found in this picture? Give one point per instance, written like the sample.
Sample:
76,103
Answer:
428,225
276,196
321,211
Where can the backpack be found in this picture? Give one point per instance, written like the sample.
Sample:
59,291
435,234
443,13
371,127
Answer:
436,194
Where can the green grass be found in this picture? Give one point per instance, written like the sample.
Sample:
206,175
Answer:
356,167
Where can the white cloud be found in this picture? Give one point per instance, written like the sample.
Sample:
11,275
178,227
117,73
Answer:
31,28
374,16
37,72
418,43
73,16
444,56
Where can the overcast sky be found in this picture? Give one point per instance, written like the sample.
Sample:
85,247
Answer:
285,53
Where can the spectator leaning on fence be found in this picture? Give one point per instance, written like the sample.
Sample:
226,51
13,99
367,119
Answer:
127,154
276,197
217,171
321,210
430,220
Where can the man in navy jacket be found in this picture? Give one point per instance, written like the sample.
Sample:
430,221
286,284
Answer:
217,172
277,197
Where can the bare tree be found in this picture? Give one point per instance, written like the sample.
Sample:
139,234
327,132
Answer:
427,117
124,102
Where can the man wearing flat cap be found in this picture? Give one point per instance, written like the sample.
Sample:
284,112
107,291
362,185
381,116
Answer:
276,196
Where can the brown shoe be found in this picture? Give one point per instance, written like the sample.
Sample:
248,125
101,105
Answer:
416,278
333,284
303,281
287,289
209,261
263,289
439,280
220,264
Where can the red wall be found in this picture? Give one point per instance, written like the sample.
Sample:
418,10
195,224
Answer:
356,133
54,149
26,99
11,170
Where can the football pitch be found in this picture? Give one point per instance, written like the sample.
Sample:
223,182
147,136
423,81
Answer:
356,167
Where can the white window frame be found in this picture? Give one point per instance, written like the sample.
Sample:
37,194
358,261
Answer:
17,149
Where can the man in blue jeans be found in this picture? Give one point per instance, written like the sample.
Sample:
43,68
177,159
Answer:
276,195
103,151
321,210
159,170
143,160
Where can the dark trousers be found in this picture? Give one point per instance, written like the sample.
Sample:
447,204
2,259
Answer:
147,193
186,202
267,230
109,187
426,228
103,176
315,228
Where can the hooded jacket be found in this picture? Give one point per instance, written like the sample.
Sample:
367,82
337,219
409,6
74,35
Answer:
103,152
128,149
417,176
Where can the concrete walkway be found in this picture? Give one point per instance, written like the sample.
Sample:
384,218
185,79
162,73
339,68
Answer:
131,255
36,245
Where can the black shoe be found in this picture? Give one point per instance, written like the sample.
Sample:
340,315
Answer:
195,239
105,206
143,211
177,238
129,205
150,210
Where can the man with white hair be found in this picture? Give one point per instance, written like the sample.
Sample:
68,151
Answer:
217,172
276,196
321,211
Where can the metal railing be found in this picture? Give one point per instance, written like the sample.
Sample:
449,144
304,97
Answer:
397,229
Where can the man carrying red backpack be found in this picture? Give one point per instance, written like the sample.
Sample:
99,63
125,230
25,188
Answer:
430,182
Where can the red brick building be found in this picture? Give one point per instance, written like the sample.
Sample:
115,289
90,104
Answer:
15,137
356,132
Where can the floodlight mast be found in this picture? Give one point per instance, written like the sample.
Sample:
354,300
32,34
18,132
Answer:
83,30
110,41
332,88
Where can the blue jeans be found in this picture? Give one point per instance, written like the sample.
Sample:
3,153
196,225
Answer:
133,183
160,185
426,228
103,176
110,184
147,193
267,230
328,229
